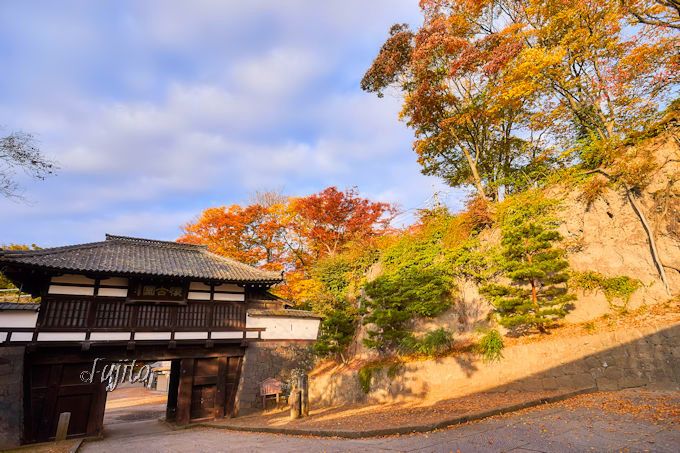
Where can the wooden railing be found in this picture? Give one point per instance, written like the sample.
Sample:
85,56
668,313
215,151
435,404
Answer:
99,314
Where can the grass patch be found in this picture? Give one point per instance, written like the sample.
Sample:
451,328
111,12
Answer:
618,290
590,327
490,346
365,376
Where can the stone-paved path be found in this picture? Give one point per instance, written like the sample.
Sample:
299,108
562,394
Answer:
542,429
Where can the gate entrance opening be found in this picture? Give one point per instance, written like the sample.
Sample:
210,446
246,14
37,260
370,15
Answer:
202,386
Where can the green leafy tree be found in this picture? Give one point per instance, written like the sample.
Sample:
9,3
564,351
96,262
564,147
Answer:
417,281
336,332
334,284
394,299
535,265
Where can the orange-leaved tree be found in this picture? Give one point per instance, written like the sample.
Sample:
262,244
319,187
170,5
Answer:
290,234
325,222
599,71
491,86
250,234
467,130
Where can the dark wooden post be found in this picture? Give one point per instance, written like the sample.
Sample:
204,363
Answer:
186,379
173,388
221,391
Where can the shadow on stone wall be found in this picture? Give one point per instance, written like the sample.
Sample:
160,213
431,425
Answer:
653,360
650,359
268,360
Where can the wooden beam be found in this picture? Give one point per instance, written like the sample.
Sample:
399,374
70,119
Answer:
173,388
220,393
186,380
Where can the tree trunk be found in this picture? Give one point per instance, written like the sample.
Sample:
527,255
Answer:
477,180
652,242
648,230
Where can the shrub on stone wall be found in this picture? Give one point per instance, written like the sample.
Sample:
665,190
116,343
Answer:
618,290
490,346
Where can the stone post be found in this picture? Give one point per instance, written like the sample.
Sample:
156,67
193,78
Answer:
304,406
294,401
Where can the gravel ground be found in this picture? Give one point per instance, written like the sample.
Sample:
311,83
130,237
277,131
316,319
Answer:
632,421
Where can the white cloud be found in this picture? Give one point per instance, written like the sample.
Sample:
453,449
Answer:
279,73
208,101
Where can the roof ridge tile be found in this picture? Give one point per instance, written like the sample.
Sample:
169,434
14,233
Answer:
155,242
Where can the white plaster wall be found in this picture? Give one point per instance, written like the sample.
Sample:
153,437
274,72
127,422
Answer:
73,278
226,335
198,296
112,292
191,335
229,287
114,281
72,290
200,286
18,318
282,328
112,336
152,335
61,336
230,297
21,336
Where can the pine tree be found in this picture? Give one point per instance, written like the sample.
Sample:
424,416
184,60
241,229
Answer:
534,264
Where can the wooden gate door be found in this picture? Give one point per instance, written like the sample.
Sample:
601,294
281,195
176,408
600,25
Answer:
204,388
232,367
56,388
207,388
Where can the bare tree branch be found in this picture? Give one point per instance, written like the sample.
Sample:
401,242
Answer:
19,151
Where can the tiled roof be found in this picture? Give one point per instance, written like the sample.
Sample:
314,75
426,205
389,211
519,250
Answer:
266,296
18,306
283,313
135,256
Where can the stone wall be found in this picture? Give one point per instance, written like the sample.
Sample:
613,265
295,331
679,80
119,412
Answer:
11,395
268,359
648,356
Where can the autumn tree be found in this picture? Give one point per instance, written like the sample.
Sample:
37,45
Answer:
290,234
323,223
4,281
251,234
491,86
467,130
597,73
657,13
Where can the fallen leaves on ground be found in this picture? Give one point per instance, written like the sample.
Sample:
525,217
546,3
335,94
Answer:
661,407
380,416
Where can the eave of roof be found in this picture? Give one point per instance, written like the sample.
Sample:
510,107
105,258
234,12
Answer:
127,256
11,306
283,313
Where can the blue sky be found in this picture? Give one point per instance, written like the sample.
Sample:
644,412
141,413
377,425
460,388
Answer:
156,110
